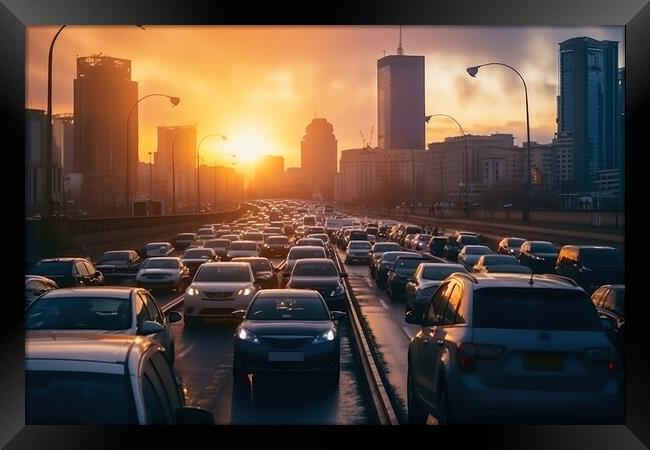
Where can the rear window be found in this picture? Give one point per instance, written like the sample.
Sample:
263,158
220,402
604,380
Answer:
253,237
440,273
246,246
477,251
316,269
380,248
542,247
79,313
534,309
601,257
186,237
515,242
52,268
220,243
469,240
258,265
407,263
197,253
360,245
297,253
160,264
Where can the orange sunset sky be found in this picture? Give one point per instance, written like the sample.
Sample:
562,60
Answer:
262,85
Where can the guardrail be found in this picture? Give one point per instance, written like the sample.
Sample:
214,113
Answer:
381,400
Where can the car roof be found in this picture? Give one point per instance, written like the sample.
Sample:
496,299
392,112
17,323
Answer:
158,258
66,259
225,264
307,247
510,280
315,260
158,243
93,291
590,246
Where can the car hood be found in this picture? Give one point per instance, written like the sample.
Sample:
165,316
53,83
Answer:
225,286
287,327
194,260
157,271
299,282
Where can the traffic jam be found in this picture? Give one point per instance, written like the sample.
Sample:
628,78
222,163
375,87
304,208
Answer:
302,313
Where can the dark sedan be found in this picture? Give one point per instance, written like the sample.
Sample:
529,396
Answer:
263,271
194,257
286,330
540,256
275,246
510,246
117,265
320,274
69,272
220,246
399,274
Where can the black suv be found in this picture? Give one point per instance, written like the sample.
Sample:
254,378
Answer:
591,266
69,272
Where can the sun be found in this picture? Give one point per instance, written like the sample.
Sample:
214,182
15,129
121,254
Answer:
248,145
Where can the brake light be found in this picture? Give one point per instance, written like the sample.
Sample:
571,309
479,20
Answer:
468,353
604,355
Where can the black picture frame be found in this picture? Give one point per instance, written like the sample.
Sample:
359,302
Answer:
15,15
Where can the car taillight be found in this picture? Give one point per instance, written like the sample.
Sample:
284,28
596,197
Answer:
604,355
468,353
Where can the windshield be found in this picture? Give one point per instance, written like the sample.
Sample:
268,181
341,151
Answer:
72,398
500,260
197,253
290,308
253,237
185,237
52,268
469,240
297,253
515,242
314,269
79,313
407,263
534,309
222,274
159,264
114,258
542,247
380,248
440,273
360,245
277,241
477,250
390,257
245,246
602,257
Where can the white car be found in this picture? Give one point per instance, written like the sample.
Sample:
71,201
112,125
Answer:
158,249
358,251
218,289
240,249
163,273
296,253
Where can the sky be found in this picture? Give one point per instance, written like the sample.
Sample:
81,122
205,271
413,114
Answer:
262,85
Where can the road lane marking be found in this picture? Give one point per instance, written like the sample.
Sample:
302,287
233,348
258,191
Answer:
185,351
383,303
408,333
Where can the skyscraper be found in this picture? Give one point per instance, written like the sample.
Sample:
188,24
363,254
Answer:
587,105
400,101
318,158
103,97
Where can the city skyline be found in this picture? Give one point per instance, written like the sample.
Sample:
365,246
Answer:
268,93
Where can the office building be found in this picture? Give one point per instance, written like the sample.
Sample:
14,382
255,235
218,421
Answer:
318,158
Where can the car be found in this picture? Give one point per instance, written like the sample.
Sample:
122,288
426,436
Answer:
197,243
407,240
421,242
451,249
254,236
36,286
296,253
306,241
115,309
508,349
486,263
218,289
424,283
194,257
263,271
378,249
320,274
510,246
610,302
242,248
358,251
163,272
287,330
470,254
322,236
464,239
158,249
540,256
437,245
183,240
220,246
68,272
117,265
275,246
591,266
103,379
399,273
205,233
231,237
384,264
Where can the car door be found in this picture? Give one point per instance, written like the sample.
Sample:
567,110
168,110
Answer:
156,398
164,337
424,351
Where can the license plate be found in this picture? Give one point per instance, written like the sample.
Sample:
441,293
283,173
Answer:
286,356
543,362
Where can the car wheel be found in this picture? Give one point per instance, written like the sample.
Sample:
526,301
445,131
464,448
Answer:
417,415
445,416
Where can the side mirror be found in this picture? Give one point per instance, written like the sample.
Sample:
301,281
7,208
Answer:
344,275
150,327
174,316
239,314
190,415
413,317
336,315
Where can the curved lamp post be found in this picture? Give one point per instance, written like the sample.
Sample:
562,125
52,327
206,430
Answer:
198,166
174,101
464,176
472,71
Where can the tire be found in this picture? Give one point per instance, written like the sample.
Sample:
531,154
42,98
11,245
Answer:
417,415
445,416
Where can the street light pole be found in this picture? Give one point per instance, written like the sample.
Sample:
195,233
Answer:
472,71
198,168
174,101
150,179
464,176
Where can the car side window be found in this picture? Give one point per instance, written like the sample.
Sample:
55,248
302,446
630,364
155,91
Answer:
453,297
597,297
168,380
141,310
437,305
89,267
81,269
150,303
157,405
456,303
608,299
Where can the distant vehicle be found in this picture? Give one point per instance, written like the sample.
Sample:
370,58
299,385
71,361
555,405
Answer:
263,271
358,251
220,246
470,254
384,264
510,246
205,233
487,262
540,256
242,248
426,279
591,266
287,330
309,221
158,249
183,240
36,286
163,273
117,264
275,246
194,257
400,272
320,274
69,272
68,376
437,245
296,253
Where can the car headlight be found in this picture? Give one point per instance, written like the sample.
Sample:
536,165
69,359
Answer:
326,336
246,335
245,291
338,291
192,291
